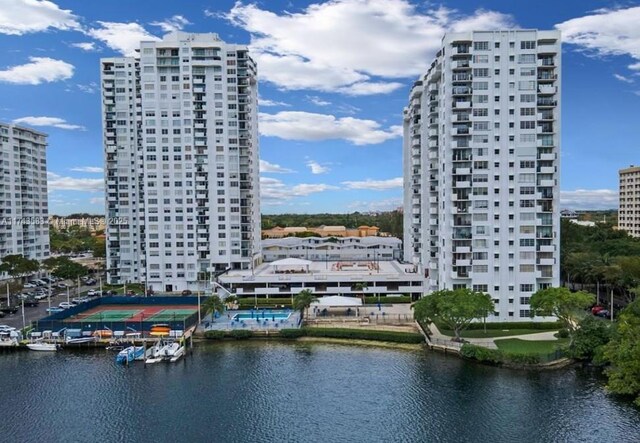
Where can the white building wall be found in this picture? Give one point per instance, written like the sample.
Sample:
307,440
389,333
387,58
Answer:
198,161
24,214
489,148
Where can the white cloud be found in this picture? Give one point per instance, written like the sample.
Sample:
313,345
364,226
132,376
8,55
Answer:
38,70
589,199
54,122
267,102
122,37
340,45
175,23
374,185
18,17
295,125
389,204
85,46
606,32
275,192
634,66
273,168
622,78
318,101
90,88
60,183
317,168
96,200
93,169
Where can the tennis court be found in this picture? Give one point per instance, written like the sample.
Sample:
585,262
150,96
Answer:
135,313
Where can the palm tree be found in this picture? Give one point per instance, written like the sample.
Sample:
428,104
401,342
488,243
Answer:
303,300
213,304
230,301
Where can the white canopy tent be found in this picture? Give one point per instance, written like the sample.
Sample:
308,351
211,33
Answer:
337,301
291,263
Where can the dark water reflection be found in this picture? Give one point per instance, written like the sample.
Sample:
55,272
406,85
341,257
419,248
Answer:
255,392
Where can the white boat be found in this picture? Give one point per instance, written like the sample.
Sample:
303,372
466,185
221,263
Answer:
9,339
130,354
155,352
177,354
42,346
172,352
80,340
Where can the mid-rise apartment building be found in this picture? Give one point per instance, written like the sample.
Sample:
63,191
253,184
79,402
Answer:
332,248
481,167
181,156
24,213
629,210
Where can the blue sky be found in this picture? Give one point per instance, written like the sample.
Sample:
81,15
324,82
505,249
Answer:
334,78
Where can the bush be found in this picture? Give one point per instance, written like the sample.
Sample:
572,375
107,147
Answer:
365,334
524,359
545,326
482,354
240,334
214,335
373,299
291,333
563,333
591,335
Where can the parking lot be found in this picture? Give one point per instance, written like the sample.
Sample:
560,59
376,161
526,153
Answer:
37,312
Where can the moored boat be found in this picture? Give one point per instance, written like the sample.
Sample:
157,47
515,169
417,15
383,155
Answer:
129,354
42,346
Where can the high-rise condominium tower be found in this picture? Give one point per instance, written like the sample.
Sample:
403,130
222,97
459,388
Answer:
629,211
24,214
481,167
181,155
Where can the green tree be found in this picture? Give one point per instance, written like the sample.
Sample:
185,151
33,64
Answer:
568,307
231,301
65,268
455,309
19,266
589,338
623,353
212,304
99,247
303,300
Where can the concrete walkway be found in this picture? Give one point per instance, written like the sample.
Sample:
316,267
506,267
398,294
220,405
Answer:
440,338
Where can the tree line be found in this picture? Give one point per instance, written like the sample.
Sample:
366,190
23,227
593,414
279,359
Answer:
76,239
390,221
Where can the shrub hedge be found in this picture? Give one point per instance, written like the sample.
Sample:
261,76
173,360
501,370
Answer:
496,356
364,334
515,325
215,335
291,333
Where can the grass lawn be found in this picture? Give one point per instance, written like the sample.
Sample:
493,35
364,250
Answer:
517,346
479,333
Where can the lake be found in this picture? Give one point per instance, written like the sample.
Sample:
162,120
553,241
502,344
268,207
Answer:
301,392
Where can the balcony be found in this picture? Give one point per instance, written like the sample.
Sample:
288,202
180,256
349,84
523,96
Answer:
546,62
546,102
462,105
432,132
547,183
547,248
546,157
461,131
546,170
462,184
460,64
547,89
462,171
546,261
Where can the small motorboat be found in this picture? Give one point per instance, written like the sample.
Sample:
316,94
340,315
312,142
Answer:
127,355
156,352
40,345
80,340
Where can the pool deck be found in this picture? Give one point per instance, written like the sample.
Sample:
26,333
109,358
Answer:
226,322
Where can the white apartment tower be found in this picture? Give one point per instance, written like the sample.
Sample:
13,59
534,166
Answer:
629,210
181,155
24,213
481,167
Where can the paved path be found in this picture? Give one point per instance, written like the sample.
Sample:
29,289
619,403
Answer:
490,342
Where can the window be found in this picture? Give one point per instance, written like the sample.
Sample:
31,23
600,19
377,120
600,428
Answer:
527,72
527,164
481,59
527,111
528,44
527,268
526,58
528,124
527,85
480,46
527,242
482,86
481,72
480,112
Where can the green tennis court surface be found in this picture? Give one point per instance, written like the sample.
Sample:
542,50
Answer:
171,314
112,315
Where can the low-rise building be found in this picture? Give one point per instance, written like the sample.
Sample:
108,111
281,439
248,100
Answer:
629,211
332,248
289,277
322,231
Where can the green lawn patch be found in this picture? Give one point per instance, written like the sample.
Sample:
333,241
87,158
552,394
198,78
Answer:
491,333
517,346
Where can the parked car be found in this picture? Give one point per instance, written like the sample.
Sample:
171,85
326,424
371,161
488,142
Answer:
79,300
6,328
62,285
67,305
187,292
9,310
596,309
31,303
54,309
90,282
603,313
92,293
29,285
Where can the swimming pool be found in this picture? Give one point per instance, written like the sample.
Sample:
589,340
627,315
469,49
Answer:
268,315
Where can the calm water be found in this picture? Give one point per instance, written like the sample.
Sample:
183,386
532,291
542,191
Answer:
257,392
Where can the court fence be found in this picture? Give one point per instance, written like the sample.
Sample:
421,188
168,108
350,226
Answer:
77,318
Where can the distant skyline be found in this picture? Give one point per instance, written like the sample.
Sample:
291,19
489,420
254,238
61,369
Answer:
334,79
